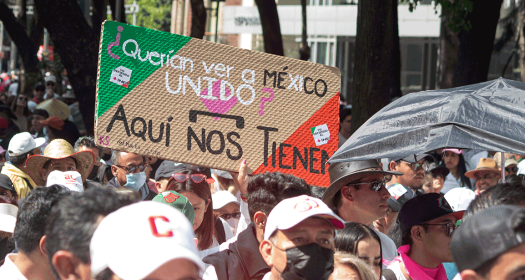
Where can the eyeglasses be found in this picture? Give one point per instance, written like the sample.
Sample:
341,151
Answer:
132,168
486,177
22,98
50,84
232,215
416,165
512,169
376,185
181,178
450,227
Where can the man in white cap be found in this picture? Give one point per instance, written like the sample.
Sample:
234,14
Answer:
21,147
167,249
51,83
71,180
299,239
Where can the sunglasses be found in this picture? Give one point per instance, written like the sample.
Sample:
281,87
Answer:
376,185
512,169
133,168
229,216
181,178
450,227
416,165
50,84
22,98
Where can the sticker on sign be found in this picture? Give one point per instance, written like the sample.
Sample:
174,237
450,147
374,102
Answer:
321,134
214,105
121,76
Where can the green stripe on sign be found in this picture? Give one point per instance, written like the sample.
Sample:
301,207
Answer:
143,49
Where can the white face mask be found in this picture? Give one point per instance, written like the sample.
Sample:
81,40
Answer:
232,222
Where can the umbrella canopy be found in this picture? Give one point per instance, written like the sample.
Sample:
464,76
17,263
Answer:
488,116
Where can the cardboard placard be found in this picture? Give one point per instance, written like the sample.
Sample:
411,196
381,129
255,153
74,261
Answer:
193,101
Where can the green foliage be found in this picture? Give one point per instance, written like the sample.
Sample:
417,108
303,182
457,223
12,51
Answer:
153,14
457,11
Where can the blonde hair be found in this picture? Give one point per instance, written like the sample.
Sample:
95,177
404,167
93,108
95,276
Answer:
363,269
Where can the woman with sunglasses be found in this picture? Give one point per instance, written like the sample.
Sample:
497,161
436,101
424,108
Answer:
21,112
193,185
227,207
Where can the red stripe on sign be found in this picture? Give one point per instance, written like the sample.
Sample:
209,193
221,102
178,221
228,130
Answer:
299,155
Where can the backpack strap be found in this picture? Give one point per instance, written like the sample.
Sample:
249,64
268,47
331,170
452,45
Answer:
28,184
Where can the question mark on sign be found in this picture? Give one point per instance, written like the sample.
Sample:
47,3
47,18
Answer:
264,99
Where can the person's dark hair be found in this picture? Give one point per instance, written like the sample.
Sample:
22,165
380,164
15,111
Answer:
344,112
462,168
72,222
406,236
512,179
318,191
69,132
32,215
348,238
268,189
106,274
41,112
27,113
500,194
20,159
206,230
88,142
394,232
115,157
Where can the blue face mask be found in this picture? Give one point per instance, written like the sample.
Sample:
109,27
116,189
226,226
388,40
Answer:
44,130
134,181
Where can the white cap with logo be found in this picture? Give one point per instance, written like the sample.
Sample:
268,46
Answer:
23,143
163,234
71,180
290,212
460,198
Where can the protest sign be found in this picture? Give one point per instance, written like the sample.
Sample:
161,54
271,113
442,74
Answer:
213,105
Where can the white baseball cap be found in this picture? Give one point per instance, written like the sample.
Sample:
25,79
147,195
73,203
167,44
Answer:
22,143
71,180
164,232
51,78
290,212
222,198
8,217
460,198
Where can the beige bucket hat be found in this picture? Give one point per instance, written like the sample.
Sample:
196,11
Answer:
59,149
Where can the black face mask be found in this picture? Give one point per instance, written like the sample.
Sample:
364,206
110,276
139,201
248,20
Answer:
94,173
311,261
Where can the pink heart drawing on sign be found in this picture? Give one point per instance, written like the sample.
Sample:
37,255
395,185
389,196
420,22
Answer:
218,106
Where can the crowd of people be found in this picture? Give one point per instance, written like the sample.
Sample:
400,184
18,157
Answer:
72,210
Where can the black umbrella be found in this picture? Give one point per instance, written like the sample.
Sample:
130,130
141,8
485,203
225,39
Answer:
488,116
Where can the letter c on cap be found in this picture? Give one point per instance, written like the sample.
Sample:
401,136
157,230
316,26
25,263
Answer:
153,227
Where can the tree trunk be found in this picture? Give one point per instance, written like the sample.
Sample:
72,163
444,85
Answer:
475,48
98,15
378,64
449,48
271,29
304,51
198,19
26,49
77,46
113,6
521,28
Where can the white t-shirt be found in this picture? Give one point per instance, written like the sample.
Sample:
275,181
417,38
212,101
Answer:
450,183
397,270
215,246
9,271
388,247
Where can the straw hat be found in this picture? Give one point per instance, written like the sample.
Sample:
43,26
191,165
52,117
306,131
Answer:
55,108
485,164
59,149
